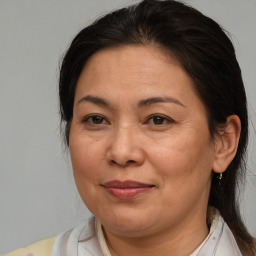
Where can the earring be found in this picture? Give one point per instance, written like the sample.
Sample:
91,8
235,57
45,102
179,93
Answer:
220,177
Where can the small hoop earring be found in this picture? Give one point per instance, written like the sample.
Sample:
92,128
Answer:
220,176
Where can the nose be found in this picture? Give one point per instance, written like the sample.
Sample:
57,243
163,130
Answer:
125,148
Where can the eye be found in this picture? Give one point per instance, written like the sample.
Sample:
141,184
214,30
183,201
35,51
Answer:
159,120
95,120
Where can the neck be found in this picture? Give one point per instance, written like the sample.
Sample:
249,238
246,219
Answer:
181,239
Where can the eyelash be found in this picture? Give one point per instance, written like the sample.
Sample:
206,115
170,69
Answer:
163,119
89,120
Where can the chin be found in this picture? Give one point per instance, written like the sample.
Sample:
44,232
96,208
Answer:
127,223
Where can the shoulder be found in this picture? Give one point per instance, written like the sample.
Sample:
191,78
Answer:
42,248
82,239
220,241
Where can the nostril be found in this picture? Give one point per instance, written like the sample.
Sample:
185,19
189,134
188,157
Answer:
130,161
124,163
113,162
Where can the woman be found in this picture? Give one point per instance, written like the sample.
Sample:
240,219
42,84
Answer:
154,111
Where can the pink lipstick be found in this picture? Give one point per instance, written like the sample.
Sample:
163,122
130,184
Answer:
126,189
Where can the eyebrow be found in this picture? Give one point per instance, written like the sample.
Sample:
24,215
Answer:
155,100
95,100
143,103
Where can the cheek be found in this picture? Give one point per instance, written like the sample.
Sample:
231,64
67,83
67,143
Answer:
187,155
185,170
86,157
86,163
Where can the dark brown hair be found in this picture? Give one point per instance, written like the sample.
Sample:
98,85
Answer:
204,51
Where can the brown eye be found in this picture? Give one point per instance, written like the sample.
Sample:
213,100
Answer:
95,120
159,120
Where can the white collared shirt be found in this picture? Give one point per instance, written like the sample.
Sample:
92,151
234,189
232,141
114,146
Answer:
88,240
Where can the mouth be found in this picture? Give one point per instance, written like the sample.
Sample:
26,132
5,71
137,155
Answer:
126,189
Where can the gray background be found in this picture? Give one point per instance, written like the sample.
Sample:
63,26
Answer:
38,198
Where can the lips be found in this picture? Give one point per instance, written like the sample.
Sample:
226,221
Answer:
126,189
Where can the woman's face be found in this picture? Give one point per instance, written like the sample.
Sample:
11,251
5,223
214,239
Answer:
139,141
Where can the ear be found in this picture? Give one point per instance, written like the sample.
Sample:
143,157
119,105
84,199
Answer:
227,143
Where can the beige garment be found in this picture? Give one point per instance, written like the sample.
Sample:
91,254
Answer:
42,248
88,240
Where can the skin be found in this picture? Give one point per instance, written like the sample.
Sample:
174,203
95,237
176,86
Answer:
165,144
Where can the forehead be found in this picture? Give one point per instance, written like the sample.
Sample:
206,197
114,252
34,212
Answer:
126,75
145,67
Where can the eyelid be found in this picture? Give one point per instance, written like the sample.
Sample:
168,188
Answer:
168,119
86,118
